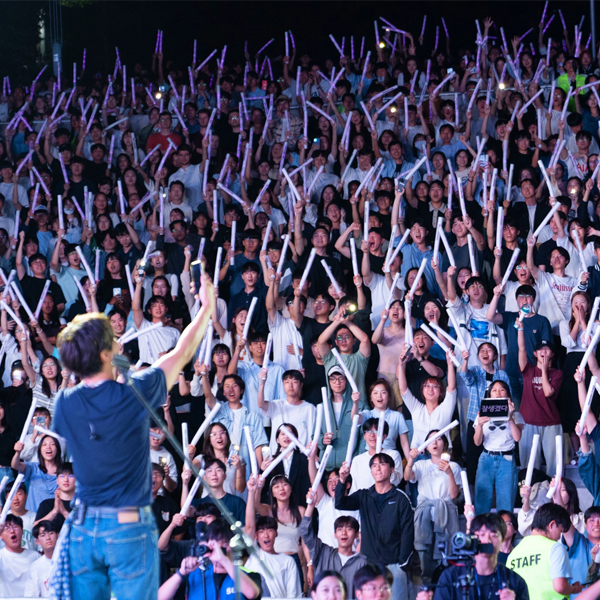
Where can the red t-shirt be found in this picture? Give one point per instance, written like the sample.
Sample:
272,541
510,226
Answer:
158,138
536,409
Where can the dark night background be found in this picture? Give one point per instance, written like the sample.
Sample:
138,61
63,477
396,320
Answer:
132,26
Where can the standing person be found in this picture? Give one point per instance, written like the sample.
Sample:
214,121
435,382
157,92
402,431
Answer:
386,518
541,559
103,446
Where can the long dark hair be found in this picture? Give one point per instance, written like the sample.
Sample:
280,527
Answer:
572,506
292,429
293,503
58,459
207,450
213,369
45,385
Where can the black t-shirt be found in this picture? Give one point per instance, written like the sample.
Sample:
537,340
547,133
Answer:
7,446
47,506
544,252
164,508
416,374
16,401
236,506
96,172
32,291
309,329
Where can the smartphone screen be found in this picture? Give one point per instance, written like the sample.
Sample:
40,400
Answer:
264,84
196,273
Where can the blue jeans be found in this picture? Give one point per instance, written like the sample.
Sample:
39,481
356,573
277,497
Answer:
112,559
8,472
499,473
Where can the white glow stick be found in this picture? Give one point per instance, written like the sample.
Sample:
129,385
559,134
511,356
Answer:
559,466
266,238
188,501
589,350
546,220
413,288
532,457
85,263
18,321
3,483
149,154
354,153
398,247
438,435
500,227
42,298
447,247
209,341
82,292
309,263
296,441
546,177
211,415
10,497
390,297
232,243
279,459
580,252
321,470
511,265
251,451
185,442
441,344
28,421
249,318
445,334
61,223
588,404
318,424
471,253
474,95
334,283
566,104
349,377
390,248
45,431
408,331
129,279
352,441
442,84
380,427
466,492
436,243
230,193
408,174
462,344
260,195
22,301
586,336
352,242
286,243
128,338
317,109
326,412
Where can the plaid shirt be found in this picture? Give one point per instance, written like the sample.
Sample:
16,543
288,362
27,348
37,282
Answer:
475,380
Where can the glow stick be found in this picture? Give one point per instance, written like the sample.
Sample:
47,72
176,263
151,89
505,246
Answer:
529,102
22,300
390,248
418,277
589,350
217,266
82,292
588,404
408,174
3,483
206,59
16,226
586,336
445,334
326,412
580,252
232,243
367,211
349,377
546,177
441,344
139,333
286,243
566,104
546,220
398,247
380,428
367,114
149,154
317,109
334,283
438,435
312,184
188,501
474,95
423,27
391,291
42,298
436,244
318,424
249,318
559,465
279,459
11,495
500,227
442,84
251,451
12,313
321,470
467,491
511,265
471,254
144,200
266,238
532,457
352,440
230,193
211,415
365,66
129,279
84,262
354,153
309,263
408,331
447,247
296,441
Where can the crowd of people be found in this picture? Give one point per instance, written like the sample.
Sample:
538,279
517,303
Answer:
404,243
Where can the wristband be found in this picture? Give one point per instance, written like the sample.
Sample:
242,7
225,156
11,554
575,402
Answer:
178,572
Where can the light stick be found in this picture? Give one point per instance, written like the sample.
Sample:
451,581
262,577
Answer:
188,501
380,428
511,265
500,227
139,333
286,243
349,377
588,404
559,463
206,423
441,344
471,253
438,435
466,492
309,263
296,441
532,457
249,318
589,350
321,470
278,460
325,398
42,298
352,440
251,451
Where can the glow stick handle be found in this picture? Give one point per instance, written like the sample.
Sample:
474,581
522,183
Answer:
589,349
546,220
352,441
10,497
466,491
191,494
251,451
511,266
279,459
380,428
559,466
325,397
438,435
249,318
28,421
349,377
206,423
321,471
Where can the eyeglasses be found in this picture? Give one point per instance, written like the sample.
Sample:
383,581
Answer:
524,296
431,386
337,378
343,338
66,476
520,268
373,589
217,434
12,527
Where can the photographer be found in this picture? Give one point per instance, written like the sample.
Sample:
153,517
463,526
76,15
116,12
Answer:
217,579
489,578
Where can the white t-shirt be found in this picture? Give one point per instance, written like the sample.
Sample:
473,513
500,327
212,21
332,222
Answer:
285,580
158,340
156,455
379,295
555,298
328,513
14,569
361,472
434,484
38,579
497,436
284,332
302,416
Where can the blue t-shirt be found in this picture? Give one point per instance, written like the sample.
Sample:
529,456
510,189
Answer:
114,468
41,486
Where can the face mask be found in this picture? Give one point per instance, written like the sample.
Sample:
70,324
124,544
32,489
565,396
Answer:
381,79
69,211
420,146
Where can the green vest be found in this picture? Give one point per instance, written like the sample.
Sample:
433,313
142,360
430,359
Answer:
564,84
531,560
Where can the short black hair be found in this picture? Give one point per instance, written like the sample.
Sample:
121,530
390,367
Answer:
526,289
371,572
219,531
491,521
293,374
266,523
346,520
547,513
250,266
205,510
14,519
373,423
592,511
46,525
65,468
209,462
386,458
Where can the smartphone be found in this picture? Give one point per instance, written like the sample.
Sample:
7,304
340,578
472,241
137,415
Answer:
116,291
317,141
196,270
450,71
40,420
263,85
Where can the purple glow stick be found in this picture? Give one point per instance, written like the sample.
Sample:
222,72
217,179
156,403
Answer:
562,19
206,60
150,154
504,40
548,24
445,28
267,44
157,46
587,45
293,41
62,168
223,56
337,46
544,13
352,47
437,37
376,33
362,48
194,57
423,27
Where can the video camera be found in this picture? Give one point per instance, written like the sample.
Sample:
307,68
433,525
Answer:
200,547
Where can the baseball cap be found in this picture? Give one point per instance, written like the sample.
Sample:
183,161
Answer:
544,344
336,370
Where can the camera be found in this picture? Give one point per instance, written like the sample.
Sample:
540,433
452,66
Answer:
463,544
143,268
200,547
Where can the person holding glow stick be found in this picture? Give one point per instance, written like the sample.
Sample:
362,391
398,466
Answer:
438,480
